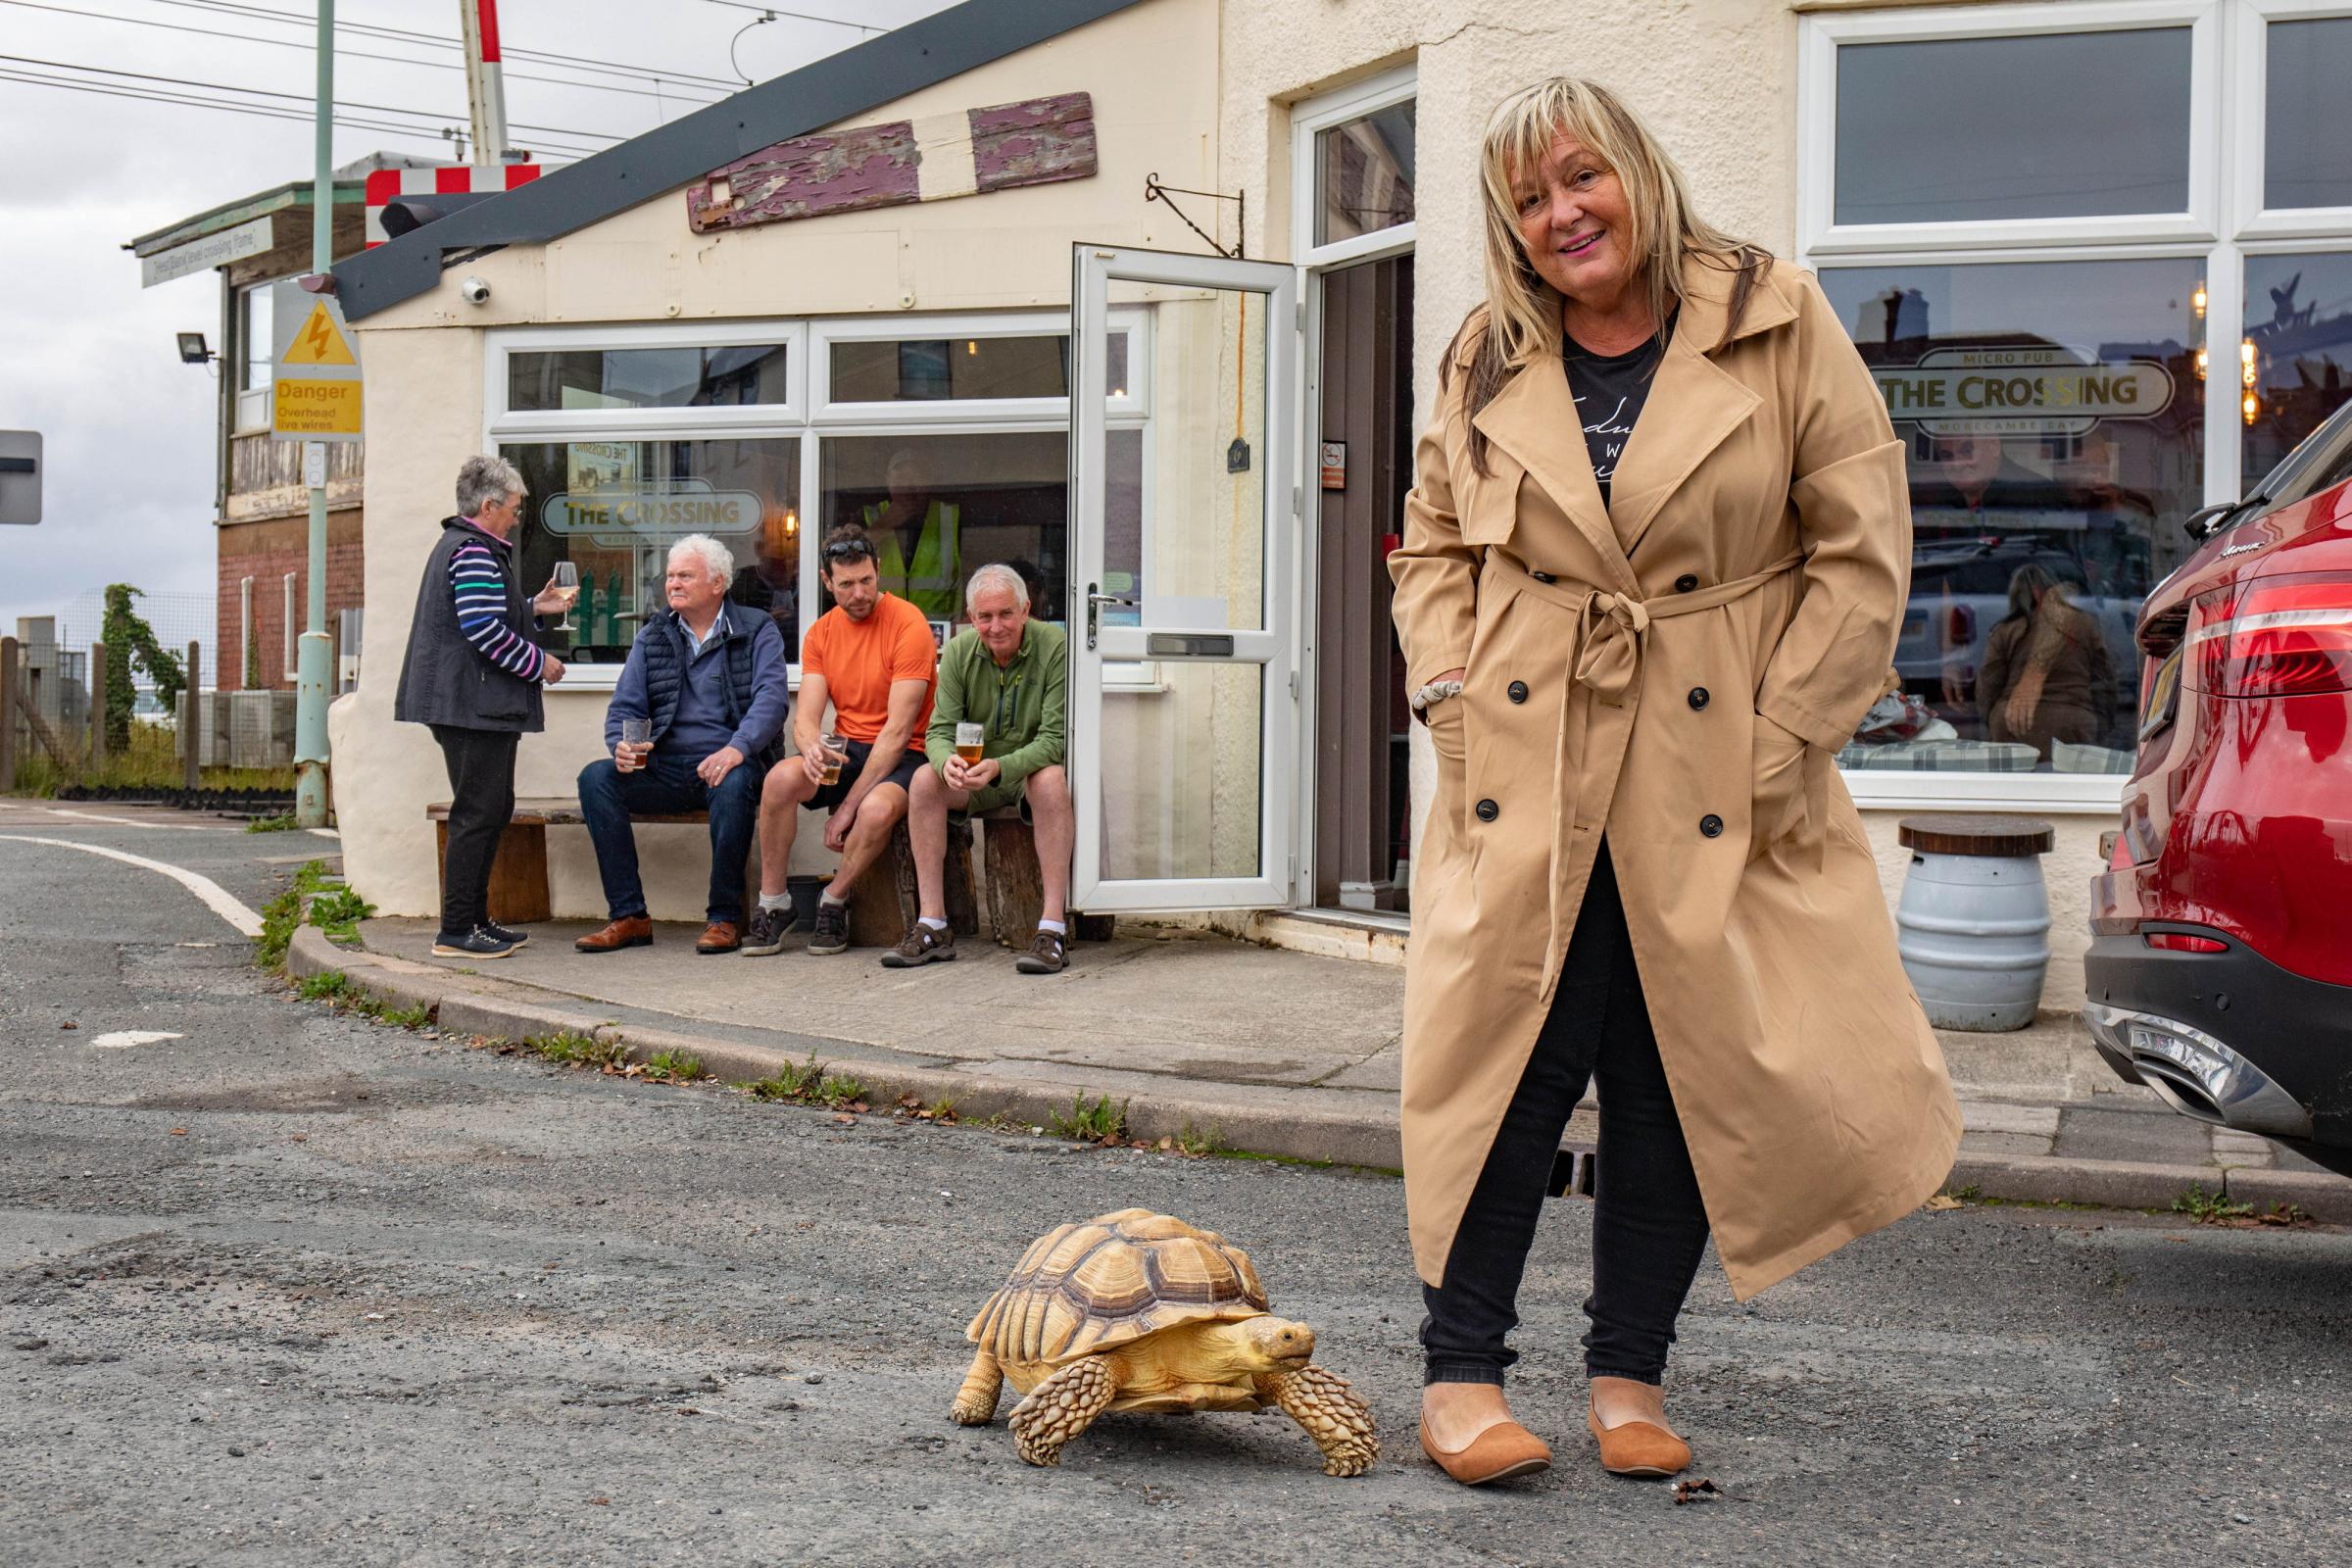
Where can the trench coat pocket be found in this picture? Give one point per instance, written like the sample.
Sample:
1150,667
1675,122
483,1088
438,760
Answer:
1783,794
1449,731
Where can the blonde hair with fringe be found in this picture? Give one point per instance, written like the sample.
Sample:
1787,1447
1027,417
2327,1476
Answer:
1521,324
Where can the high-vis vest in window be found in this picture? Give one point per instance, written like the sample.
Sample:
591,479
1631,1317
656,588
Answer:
929,582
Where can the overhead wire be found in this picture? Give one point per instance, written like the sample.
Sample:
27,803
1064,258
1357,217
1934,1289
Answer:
652,88
371,29
264,92
797,15
256,111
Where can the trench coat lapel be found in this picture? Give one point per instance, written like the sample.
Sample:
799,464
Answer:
1694,406
1534,418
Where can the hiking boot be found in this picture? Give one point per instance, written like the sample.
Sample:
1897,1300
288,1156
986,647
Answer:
474,944
718,937
921,944
507,933
765,934
1047,955
832,928
629,931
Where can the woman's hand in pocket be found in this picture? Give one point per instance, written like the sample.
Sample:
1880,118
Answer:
1449,732
1780,805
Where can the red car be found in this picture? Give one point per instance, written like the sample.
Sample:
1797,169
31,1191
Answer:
2220,973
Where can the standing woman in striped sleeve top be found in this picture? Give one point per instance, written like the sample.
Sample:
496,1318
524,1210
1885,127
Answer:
472,675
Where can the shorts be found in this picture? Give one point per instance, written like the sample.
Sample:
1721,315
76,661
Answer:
829,797
996,797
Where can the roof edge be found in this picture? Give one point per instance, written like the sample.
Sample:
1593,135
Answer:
825,92
245,209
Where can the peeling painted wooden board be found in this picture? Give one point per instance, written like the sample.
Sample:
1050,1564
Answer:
1034,142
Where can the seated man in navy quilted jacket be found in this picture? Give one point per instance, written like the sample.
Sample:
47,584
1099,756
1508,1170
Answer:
708,680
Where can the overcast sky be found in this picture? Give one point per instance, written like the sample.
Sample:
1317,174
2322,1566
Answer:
87,356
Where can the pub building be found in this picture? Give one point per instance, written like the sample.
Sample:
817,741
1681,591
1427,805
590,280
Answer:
1145,297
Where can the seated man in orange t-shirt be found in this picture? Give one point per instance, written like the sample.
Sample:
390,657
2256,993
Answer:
873,658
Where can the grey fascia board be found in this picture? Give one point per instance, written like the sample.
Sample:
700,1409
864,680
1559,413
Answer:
827,92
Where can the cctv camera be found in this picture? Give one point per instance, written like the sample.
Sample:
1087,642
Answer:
473,291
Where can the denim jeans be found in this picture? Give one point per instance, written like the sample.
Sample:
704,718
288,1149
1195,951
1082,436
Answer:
1649,1227
668,783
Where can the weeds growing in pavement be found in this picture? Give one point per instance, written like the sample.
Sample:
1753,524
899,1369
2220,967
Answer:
792,1081
2210,1209
413,1017
1100,1122
328,985
579,1051
282,823
1193,1141
840,1091
942,1109
676,1067
338,911
329,906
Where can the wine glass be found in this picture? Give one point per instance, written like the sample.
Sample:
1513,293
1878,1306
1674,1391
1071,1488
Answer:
568,578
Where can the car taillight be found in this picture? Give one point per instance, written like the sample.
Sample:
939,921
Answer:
2183,941
2273,637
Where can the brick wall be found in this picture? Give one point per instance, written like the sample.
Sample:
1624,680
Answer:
266,551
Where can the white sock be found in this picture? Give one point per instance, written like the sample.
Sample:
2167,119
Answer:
775,900
1055,926
832,897
936,925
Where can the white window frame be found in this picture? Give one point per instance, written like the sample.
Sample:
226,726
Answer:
805,417
2251,77
1319,114
253,412
1820,36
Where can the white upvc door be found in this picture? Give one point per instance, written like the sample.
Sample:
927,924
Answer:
1184,728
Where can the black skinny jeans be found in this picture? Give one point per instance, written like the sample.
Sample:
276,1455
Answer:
481,800
1648,1225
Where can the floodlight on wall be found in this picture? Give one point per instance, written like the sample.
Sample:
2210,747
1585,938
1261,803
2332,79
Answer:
192,349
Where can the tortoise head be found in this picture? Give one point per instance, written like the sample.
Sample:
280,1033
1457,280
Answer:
1274,1344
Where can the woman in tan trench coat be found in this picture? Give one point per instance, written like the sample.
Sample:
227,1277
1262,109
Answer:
1628,872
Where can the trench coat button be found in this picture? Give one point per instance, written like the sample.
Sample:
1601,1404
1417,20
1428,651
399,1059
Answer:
1542,576
1688,582
1487,811
1710,826
1698,698
1518,691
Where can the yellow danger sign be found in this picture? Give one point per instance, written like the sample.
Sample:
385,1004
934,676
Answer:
318,342
300,406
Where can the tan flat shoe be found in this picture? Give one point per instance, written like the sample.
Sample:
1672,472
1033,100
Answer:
1639,1449
1502,1451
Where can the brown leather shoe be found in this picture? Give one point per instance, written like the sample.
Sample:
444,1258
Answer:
720,936
1504,1450
635,931
1639,1449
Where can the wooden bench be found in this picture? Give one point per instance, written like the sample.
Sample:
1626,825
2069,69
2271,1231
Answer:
519,871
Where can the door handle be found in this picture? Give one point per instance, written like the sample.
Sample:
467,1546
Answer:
1095,601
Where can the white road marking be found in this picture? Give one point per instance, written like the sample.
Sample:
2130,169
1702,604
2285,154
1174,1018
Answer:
325,833
216,897
135,1037
126,821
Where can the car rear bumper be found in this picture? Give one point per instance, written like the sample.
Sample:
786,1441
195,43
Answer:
2228,1038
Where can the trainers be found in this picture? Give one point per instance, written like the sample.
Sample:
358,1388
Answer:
1047,955
921,944
765,934
832,928
507,934
474,944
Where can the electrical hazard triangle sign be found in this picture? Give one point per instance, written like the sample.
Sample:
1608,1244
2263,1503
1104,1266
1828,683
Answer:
318,342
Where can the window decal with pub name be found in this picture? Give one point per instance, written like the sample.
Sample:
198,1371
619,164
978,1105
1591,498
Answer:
2020,391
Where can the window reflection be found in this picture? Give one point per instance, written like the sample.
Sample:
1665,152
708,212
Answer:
615,508
2307,144
683,377
2053,419
2299,334
1364,174
929,370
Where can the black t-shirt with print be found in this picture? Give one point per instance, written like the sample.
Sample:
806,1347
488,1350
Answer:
1609,391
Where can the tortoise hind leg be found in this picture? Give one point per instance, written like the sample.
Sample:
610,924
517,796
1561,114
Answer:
976,1402
1060,1407
1340,1422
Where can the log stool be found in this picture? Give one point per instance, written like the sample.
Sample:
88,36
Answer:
1015,884
887,901
1973,925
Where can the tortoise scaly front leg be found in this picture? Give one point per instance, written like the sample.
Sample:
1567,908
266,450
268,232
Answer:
1334,1416
1060,1407
976,1402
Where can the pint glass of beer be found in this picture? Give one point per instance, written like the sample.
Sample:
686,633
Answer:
970,738
835,749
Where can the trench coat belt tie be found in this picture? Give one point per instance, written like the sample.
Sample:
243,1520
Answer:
1611,629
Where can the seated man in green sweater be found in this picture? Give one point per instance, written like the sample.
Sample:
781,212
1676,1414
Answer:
1004,681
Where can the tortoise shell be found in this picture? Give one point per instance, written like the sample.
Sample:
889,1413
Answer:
1083,1288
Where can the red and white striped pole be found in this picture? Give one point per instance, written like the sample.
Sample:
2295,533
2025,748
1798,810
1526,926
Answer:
485,79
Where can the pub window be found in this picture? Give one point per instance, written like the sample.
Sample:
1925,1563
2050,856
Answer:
2091,313
256,355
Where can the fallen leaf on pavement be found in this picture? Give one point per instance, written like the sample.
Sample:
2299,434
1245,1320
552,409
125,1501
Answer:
302,1138
69,1024
1693,1491
844,1118
180,1132
601,1503
859,1104
1943,1201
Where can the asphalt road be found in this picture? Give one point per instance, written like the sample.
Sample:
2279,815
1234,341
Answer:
296,1288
